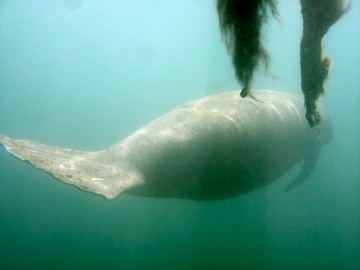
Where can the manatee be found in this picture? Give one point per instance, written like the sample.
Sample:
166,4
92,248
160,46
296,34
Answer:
214,148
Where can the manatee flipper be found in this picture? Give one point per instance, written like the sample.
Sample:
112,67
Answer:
310,159
82,169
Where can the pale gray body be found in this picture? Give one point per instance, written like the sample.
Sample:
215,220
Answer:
214,148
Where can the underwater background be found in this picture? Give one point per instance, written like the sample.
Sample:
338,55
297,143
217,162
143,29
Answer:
86,74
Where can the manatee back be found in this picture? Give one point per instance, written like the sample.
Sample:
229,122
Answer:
219,146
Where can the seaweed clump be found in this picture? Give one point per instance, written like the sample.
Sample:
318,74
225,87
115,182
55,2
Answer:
318,17
240,23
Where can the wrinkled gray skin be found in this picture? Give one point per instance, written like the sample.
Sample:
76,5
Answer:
214,148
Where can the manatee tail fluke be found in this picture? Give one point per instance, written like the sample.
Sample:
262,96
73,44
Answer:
70,166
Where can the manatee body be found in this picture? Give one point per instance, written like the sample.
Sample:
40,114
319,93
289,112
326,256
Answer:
213,148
